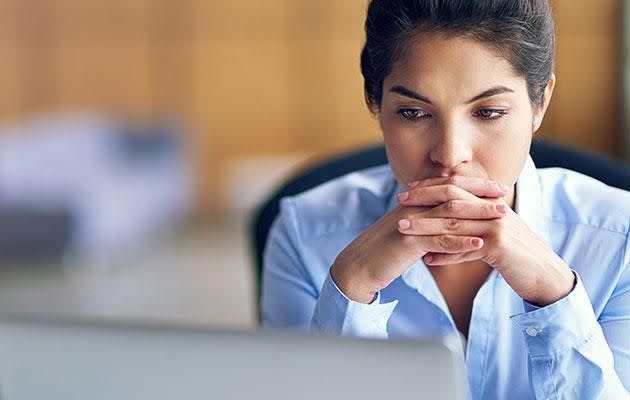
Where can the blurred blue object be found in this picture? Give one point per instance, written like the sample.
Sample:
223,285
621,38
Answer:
90,186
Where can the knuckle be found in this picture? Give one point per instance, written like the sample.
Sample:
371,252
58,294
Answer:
498,241
451,224
451,206
451,180
445,242
425,182
451,191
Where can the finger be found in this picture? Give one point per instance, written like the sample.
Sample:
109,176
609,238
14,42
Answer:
434,195
468,210
449,259
450,243
480,187
443,226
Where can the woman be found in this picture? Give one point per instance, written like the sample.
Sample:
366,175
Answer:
460,232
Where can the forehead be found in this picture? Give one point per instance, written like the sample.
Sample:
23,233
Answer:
458,64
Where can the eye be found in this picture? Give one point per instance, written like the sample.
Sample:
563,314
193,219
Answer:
490,113
412,114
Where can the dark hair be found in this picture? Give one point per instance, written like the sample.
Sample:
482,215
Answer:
521,30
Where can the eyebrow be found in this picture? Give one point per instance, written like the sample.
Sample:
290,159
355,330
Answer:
403,91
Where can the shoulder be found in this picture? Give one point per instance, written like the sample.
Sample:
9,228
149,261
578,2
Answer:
589,229
348,202
577,199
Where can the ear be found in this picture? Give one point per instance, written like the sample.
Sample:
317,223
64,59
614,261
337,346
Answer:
539,112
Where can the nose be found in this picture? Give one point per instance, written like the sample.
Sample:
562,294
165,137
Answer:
452,146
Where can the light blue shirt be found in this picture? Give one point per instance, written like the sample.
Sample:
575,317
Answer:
575,348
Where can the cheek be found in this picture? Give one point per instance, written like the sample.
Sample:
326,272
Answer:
405,149
504,152
393,134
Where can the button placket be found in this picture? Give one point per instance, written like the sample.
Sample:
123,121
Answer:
479,333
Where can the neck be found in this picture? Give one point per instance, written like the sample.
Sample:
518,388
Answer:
511,197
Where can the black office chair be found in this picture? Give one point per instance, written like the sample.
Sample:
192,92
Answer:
544,154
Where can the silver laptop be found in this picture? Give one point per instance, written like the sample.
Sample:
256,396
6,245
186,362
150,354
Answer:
67,360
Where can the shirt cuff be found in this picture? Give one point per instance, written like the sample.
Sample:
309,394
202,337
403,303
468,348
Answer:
336,313
560,325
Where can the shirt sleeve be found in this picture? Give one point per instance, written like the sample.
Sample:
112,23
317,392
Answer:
337,314
291,300
288,295
574,355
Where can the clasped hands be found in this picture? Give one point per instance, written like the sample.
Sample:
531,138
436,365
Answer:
452,220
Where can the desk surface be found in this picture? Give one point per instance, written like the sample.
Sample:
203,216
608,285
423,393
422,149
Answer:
201,276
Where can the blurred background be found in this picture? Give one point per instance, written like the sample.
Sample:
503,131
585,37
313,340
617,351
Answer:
137,136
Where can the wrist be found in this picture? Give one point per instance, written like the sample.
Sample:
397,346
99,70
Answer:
351,286
556,287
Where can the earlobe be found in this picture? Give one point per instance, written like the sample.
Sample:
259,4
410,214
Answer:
548,92
551,84
535,125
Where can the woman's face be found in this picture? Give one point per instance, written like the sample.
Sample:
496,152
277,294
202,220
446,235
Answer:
453,106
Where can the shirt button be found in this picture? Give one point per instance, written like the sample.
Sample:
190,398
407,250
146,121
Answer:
531,331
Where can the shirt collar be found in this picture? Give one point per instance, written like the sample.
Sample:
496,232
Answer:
528,202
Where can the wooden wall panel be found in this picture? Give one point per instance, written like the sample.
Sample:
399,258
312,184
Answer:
587,104
242,88
582,16
92,22
116,76
252,77
248,20
326,81
586,110
10,100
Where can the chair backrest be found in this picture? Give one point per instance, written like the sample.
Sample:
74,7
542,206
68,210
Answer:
544,154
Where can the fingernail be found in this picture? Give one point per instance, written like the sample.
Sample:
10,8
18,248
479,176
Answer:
413,184
404,224
475,242
500,208
403,196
